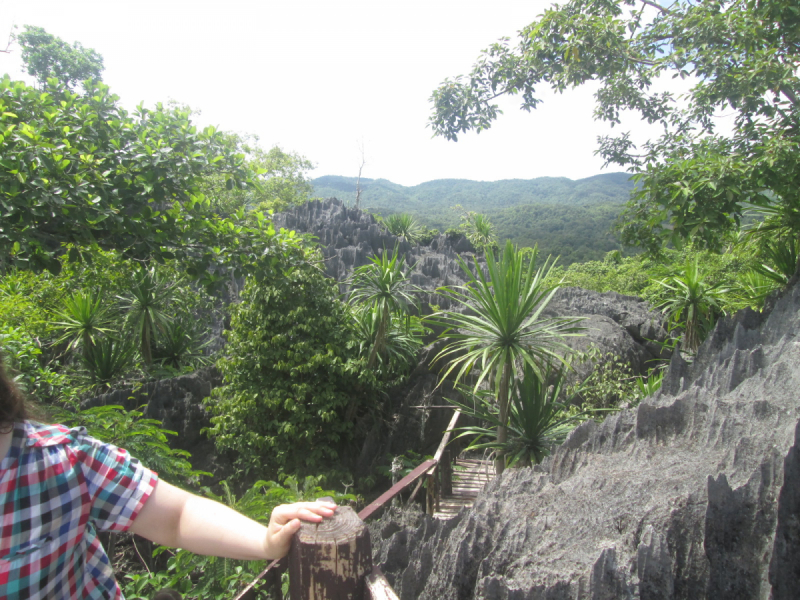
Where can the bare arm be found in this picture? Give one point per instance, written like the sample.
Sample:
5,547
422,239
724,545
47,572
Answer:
175,518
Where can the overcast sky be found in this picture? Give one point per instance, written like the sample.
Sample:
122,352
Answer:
321,77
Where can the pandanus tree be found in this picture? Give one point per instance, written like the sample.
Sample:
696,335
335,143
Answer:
82,321
146,305
384,287
502,328
405,226
538,418
692,303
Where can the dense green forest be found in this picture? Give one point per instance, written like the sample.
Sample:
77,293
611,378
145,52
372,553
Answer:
125,234
569,219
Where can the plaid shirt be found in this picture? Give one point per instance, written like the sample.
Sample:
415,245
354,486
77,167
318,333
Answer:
58,487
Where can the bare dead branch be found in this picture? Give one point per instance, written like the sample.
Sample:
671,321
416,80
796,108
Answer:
654,5
358,181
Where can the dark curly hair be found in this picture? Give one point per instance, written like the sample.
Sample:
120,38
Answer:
12,401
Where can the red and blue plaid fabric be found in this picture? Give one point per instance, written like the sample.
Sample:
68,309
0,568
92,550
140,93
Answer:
58,487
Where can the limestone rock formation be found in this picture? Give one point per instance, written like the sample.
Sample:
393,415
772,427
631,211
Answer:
616,324
178,404
348,237
693,494
622,325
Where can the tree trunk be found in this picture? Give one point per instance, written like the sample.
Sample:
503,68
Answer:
147,355
502,429
380,338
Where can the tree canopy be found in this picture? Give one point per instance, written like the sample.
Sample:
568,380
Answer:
280,177
695,179
78,171
46,56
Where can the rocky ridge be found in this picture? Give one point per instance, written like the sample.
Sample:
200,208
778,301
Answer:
695,493
621,325
348,237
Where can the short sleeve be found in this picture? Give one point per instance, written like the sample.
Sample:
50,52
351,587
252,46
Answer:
118,484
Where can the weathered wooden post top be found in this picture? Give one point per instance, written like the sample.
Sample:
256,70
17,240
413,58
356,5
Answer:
330,560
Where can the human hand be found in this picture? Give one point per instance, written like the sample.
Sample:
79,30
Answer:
285,521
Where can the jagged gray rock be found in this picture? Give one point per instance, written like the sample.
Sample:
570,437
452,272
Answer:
178,403
619,325
348,237
622,325
693,494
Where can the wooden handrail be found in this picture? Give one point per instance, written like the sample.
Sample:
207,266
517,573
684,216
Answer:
274,571
446,437
397,488
440,450
377,588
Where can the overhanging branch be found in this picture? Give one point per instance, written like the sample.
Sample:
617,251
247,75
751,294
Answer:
654,5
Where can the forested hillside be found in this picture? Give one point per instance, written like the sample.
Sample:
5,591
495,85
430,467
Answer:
571,219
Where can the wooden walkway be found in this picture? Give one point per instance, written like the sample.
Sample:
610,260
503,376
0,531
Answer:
470,476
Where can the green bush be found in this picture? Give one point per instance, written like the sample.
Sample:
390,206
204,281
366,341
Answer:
143,438
295,381
22,354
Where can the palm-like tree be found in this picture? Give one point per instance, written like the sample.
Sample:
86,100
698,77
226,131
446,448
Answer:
178,346
402,340
480,231
753,288
403,225
693,303
781,259
146,306
384,286
82,321
537,420
503,326
107,360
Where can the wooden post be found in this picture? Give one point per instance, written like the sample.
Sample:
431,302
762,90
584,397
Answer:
446,471
432,495
329,560
436,493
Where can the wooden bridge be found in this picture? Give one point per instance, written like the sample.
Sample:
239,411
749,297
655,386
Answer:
451,483
470,476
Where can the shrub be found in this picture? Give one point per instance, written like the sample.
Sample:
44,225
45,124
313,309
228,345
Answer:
294,378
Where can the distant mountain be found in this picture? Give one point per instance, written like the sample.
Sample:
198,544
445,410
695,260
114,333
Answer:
568,218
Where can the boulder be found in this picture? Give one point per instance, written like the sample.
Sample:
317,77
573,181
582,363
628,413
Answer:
624,326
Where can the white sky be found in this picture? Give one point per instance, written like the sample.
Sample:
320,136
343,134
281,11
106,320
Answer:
320,77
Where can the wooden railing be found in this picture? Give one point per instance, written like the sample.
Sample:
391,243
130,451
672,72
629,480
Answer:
333,559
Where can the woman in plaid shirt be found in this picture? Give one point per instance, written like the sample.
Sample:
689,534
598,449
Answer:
59,487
